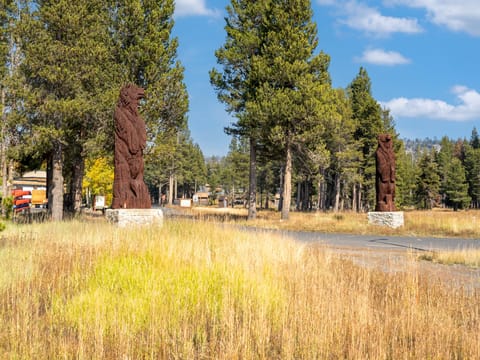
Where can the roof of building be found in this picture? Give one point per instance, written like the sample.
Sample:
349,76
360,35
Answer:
37,178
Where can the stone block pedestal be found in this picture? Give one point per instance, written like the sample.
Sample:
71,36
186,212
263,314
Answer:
393,219
134,217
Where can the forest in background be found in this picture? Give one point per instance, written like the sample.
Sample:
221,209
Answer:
295,138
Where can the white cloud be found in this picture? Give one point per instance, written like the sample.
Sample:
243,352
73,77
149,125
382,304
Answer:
467,107
194,7
456,15
364,18
382,57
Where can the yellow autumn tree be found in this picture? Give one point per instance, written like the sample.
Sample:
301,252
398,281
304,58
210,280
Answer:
98,179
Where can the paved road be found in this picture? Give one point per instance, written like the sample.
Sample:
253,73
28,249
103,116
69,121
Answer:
378,242
363,241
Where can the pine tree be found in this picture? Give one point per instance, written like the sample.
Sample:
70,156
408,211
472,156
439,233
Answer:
344,153
406,169
475,139
68,74
237,84
191,171
472,169
7,10
367,115
427,182
294,85
236,166
443,159
456,187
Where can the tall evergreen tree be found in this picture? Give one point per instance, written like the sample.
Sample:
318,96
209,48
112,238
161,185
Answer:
236,165
427,182
294,86
406,172
443,158
472,169
344,153
456,187
237,84
475,139
367,115
68,73
7,10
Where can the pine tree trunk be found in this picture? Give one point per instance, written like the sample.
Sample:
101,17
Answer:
306,196
3,150
78,171
298,201
175,188
360,205
170,189
56,192
287,183
319,195
321,190
354,198
337,193
280,201
342,197
75,188
252,188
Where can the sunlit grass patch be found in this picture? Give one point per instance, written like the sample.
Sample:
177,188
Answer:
131,290
467,257
193,279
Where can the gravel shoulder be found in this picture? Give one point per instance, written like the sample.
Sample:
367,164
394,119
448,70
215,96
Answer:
392,261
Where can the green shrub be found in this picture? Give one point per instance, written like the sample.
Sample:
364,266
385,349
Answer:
7,205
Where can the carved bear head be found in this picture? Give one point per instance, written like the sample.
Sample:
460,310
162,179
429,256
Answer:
385,141
130,95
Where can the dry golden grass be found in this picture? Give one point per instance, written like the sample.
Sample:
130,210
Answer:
193,290
467,257
438,222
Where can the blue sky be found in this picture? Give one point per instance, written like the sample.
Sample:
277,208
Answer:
422,56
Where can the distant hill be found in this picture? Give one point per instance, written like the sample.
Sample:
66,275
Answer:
417,146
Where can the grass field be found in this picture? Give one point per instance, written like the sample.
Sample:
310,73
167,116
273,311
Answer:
87,290
437,223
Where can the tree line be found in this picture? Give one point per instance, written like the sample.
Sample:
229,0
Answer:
441,173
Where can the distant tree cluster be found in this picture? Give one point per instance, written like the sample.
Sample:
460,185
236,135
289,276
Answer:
430,173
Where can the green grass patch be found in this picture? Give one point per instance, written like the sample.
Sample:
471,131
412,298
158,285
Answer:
139,291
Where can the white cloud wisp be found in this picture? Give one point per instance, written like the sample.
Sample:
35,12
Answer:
382,57
194,8
454,14
468,107
361,17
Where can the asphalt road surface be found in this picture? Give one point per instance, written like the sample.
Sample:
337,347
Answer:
372,242
377,242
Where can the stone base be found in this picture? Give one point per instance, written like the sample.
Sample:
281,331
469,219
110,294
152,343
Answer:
393,219
134,217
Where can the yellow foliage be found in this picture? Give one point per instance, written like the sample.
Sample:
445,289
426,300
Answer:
99,178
